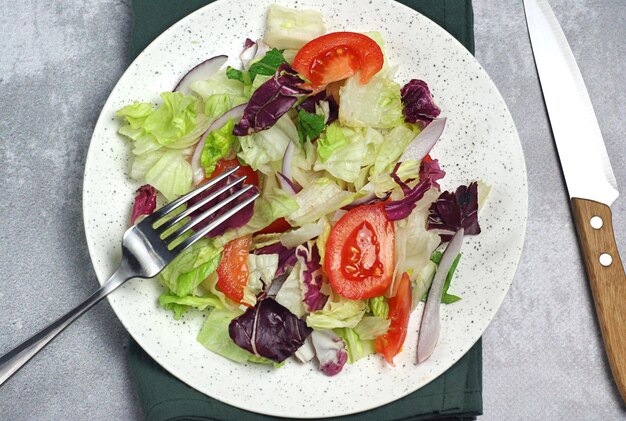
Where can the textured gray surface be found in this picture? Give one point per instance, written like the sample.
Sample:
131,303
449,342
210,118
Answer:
543,357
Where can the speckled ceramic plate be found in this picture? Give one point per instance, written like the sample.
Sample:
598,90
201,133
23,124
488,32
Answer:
480,141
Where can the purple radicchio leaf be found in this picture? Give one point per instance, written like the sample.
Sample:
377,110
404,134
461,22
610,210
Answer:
330,350
286,256
430,169
270,101
402,208
309,104
312,277
452,211
239,219
145,202
269,330
417,102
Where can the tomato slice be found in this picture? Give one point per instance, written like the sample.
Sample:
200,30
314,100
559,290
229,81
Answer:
390,344
338,55
226,164
232,272
279,225
359,253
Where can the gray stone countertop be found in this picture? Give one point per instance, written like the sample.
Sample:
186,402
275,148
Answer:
543,355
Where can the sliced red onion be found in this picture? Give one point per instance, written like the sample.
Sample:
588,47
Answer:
202,71
196,160
430,325
284,176
424,142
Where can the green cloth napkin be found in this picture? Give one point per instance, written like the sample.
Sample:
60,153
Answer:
455,395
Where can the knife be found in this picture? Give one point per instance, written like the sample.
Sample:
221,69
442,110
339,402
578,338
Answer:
588,174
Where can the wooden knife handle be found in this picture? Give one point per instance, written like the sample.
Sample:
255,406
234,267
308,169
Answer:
607,278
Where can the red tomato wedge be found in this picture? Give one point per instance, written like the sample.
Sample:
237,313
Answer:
226,164
232,272
279,225
390,344
359,253
338,55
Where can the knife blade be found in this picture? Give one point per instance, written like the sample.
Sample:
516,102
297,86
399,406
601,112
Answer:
588,175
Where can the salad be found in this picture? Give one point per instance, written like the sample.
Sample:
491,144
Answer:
351,230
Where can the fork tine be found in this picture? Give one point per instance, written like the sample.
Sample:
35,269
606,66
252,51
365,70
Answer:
205,214
160,213
176,219
204,231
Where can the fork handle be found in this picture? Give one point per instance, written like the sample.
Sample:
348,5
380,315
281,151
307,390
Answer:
21,354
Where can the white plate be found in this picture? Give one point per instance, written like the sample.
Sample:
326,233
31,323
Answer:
480,141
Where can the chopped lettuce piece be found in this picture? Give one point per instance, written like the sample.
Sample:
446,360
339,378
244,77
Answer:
414,243
217,104
261,270
267,147
322,197
375,104
330,141
172,120
390,150
357,348
180,305
371,327
346,160
337,314
219,83
171,174
292,28
216,146
379,307
187,271
290,294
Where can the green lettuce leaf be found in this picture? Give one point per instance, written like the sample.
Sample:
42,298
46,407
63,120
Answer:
371,327
357,347
172,120
170,172
187,271
219,83
322,197
216,146
217,104
330,141
375,104
180,305
337,314
379,307
346,157
391,149
264,150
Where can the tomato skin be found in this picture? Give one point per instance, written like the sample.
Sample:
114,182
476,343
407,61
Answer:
360,252
232,272
338,55
278,226
224,165
390,344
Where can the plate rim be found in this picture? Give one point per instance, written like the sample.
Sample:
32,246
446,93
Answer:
524,216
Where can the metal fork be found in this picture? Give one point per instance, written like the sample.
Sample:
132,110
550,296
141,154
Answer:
147,248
